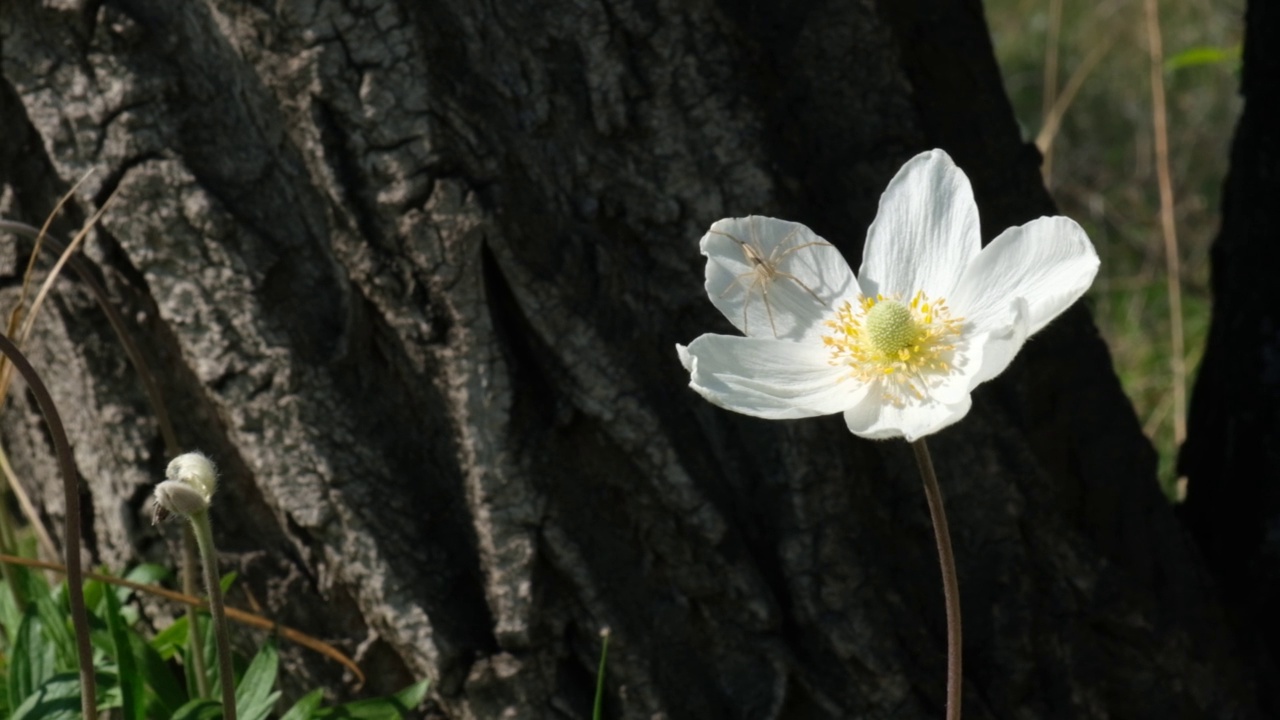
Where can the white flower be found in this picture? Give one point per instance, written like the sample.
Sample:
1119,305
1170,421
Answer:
899,348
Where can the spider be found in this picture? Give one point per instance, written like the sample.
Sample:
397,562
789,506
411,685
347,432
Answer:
765,270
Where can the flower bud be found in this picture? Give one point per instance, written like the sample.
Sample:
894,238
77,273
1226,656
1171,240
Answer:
196,471
173,496
191,482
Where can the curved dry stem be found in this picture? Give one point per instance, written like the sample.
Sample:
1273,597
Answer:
84,270
16,315
71,496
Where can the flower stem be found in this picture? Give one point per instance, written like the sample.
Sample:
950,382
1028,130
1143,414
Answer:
196,638
209,557
950,585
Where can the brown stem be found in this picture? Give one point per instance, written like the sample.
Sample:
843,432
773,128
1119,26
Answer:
950,585
71,526
1168,226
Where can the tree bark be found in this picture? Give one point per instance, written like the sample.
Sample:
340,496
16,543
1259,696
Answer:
413,274
1230,457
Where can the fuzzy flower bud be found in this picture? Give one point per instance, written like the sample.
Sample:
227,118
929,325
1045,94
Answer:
192,480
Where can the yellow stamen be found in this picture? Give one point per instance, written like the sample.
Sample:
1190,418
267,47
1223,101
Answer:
908,345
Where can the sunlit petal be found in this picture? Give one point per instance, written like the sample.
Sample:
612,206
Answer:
925,232
772,278
878,420
767,378
1049,262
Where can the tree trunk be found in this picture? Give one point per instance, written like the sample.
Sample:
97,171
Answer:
413,274
1231,458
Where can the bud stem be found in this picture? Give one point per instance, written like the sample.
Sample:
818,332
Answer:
209,557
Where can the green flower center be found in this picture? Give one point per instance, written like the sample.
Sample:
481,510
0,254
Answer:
890,327
904,348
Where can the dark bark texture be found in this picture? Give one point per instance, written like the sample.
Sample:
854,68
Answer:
1232,457
413,274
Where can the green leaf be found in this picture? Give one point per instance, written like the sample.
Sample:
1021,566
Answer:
56,621
132,697
33,660
199,710
147,574
169,694
395,707
254,699
10,615
211,666
306,706
171,639
93,591
1202,55
58,698
34,585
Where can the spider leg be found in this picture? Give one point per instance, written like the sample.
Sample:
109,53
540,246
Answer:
768,309
783,242
746,300
799,282
790,250
737,280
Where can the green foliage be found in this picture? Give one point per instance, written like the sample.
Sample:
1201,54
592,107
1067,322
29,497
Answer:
1202,55
388,708
1102,173
138,678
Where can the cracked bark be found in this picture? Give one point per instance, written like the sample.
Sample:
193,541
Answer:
413,274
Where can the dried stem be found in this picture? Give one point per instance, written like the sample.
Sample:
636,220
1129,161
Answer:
71,527
950,584
240,616
84,270
1053,116
43,538
1173,271
1049,101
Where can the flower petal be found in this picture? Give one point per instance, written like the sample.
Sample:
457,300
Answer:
925,233
772,278
767,378
878,420
999,348
1049,262
967,362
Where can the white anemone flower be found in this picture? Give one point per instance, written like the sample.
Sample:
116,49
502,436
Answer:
899,347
